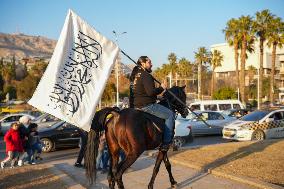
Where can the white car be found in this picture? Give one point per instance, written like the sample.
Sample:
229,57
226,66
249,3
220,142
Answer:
183,133
6,121
258,125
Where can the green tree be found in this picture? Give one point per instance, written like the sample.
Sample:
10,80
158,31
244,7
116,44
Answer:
251,72
108,94
262,26
11,90
184,69
8,73
224,94
232,37
202,56
38,69
27,86
275,39
216,61
246,33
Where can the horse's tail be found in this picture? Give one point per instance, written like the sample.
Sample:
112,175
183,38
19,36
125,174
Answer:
98,125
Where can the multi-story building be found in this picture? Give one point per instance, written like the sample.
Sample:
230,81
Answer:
227,70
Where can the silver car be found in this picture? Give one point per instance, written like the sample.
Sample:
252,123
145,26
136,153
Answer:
6,121
216,120
46,120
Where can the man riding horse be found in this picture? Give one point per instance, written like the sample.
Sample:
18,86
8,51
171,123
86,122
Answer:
135,130
143,95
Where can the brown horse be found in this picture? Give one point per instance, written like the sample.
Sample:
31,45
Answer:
134,132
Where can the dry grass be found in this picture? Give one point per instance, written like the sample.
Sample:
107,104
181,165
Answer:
38,176
262,160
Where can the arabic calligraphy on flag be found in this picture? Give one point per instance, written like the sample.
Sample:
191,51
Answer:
75,78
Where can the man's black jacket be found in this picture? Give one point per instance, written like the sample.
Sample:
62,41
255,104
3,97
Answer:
142,88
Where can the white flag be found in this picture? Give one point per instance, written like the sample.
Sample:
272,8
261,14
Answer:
75,78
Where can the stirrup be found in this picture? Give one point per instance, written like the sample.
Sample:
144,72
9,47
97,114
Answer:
165,147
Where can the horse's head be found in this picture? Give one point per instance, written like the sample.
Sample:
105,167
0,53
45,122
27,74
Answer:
174,103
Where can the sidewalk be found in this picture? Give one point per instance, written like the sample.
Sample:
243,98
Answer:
140,175
241,179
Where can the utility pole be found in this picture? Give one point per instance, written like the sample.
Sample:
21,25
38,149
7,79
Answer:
258,96
117,67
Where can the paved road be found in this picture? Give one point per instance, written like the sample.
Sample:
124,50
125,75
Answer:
206,140
141,171
72,152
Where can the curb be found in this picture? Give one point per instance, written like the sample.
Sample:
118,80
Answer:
251,181
68,181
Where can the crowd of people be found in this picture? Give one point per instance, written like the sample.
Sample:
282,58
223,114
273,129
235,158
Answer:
23,145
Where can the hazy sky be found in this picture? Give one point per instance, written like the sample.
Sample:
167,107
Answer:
154,27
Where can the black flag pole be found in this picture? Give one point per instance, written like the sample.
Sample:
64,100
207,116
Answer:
169,91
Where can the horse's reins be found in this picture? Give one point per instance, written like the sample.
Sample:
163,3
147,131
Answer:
169,92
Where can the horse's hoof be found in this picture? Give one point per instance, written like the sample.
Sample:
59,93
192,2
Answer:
175,185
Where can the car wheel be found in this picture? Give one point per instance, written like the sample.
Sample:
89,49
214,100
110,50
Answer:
47,145
178,142
258,135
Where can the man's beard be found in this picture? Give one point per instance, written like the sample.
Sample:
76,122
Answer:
149,70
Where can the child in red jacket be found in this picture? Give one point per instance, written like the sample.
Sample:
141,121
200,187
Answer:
14,145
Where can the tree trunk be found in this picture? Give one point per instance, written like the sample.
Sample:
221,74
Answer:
260,69
212,82
199,80
237,63
271,91
243,63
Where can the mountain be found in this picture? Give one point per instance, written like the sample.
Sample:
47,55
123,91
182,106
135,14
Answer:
21,46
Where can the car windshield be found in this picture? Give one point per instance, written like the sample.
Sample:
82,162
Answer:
189,116
55,125
255,116
227,112
39,117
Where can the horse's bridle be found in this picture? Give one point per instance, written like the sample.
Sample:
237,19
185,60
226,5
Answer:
175,108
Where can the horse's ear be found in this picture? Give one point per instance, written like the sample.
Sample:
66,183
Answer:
183,87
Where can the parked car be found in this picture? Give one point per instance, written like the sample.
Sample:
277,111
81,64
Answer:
7,120
237,113
183,133
46,120
216,105
60,134
258,125
216,120
34,113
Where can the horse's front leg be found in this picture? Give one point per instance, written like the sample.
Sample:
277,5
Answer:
159,159
169,169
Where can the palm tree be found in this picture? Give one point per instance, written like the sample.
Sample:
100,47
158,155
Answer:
172,58
275,38
231,35
251,72
216,61
184,68
261,25
246,33
201,57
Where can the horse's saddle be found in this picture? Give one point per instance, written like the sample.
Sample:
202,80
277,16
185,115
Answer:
159,123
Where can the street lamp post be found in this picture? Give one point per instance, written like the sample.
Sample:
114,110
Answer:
170,78
116,66
258,96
